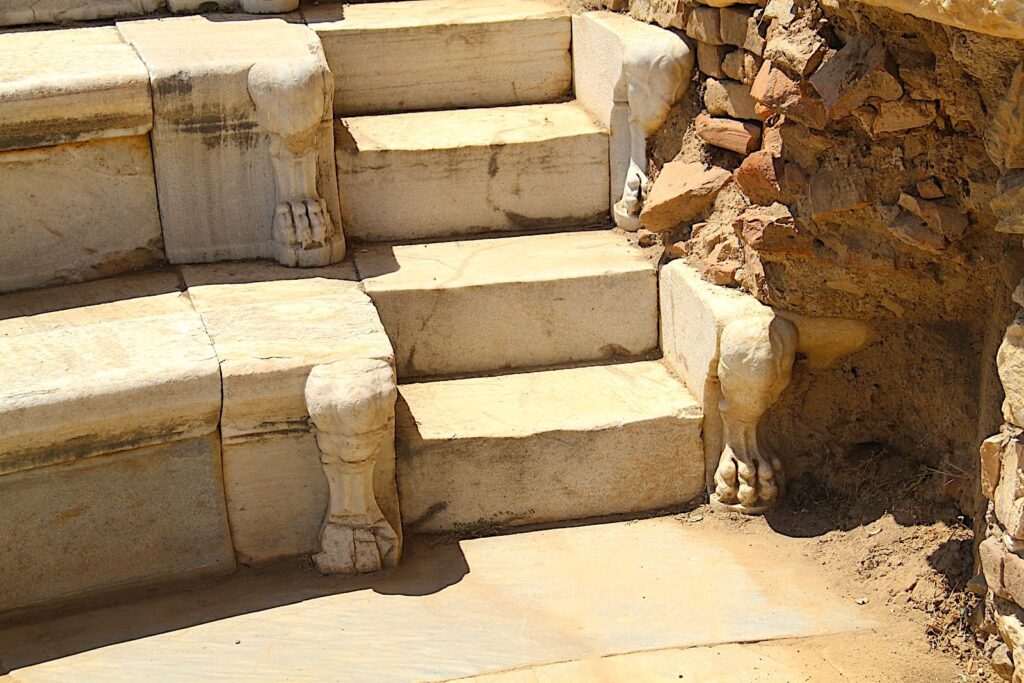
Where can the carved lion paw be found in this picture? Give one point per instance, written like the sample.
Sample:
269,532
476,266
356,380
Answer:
303,224
750,484
359,550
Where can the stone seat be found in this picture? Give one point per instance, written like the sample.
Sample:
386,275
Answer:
110,469
76,170
70,86
156,426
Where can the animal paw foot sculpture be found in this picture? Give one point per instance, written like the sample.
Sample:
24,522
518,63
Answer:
755,365
302,232
292,101
356,550
750,483
352,406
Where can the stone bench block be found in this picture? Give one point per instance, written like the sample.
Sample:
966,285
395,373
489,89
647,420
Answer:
242,139
99,367
547,446
512,302
69,86
113,521
270,327
471,171
77,212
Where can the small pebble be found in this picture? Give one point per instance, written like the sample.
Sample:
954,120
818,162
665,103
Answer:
861,601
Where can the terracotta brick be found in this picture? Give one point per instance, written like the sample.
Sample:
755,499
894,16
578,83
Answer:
738,136
759,177
681,193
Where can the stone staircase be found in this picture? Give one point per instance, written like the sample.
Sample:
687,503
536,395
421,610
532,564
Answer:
481,206
482,274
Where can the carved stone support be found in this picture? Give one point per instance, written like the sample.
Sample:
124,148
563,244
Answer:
291,99
755,365
737,356
628,74
352,406
655,75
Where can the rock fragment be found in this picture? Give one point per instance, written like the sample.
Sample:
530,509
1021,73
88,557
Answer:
681,193
941,217
729,98
705,25
779,93
710,59
759,177
741,66
797,51
861,69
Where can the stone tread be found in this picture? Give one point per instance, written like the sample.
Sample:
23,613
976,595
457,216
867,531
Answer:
569,399
524,258
464,128
415,13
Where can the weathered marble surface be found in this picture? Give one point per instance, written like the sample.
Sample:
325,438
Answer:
70,86
438,54
103,366
15,12
77,212
216,114
112,521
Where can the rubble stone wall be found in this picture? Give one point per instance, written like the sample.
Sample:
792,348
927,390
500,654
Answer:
866,161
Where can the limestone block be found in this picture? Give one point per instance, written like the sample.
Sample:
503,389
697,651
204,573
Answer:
242,139
664,13
436,54
70,86
512,302
14,12
1009,492
100,367
1010,364
1003,18
447,173
629,75
741,66
546,446
710,59
77,212
729,98
705,25
131,518
270,326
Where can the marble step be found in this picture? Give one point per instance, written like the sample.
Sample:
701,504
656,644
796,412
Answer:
546,446
512,302
444,54
454,173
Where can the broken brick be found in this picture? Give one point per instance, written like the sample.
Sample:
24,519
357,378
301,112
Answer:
737,136
681,193
759,177
780,93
